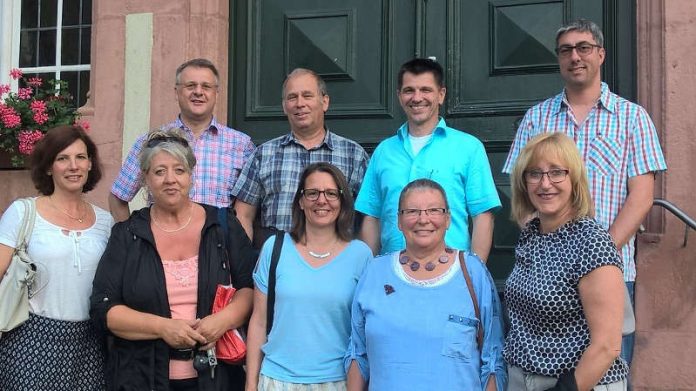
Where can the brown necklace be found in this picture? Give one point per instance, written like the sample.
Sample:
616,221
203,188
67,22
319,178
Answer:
429,266
79,219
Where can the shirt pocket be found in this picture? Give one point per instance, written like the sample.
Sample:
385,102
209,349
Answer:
605,156
459,341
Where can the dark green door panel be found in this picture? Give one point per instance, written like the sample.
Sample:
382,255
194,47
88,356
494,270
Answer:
498,56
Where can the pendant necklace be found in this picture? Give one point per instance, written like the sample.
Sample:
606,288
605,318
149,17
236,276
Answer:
170,231
321,255
429,266
79,219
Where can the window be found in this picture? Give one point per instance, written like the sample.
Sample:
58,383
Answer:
54,42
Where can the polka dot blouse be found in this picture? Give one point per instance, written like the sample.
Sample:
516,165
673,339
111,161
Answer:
549,332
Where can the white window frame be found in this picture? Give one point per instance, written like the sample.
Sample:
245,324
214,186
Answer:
10,26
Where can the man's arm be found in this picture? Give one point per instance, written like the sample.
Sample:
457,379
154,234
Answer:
369,233
634,209
482,235
118,208
246,214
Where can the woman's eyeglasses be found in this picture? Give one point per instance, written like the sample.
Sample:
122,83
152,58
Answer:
163,139
329,194
556,175
412,213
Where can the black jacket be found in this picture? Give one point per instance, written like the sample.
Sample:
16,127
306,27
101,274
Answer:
130,273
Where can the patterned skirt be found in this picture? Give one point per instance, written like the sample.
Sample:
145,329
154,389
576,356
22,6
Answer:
49,354
268,384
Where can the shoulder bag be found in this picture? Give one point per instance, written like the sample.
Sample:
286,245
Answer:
16,283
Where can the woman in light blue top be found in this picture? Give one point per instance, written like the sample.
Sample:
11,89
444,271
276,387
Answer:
415,325
317,272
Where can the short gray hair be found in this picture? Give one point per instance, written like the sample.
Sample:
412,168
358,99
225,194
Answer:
303,71
171,141
197,63
419,185
583,26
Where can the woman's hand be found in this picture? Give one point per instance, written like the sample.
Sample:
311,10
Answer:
211,328
180,334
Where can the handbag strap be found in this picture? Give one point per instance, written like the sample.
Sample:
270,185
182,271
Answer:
472,294
270,297
27,223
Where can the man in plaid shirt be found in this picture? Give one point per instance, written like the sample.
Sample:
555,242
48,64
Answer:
270,178
616,138
220,151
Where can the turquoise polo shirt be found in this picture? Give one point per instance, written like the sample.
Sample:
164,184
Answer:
454,159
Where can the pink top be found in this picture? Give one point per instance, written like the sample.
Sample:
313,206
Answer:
182,289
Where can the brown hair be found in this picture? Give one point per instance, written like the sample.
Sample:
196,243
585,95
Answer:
45,152
344,222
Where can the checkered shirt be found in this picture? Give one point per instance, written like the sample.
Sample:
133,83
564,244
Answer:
617,141
270,178
220,155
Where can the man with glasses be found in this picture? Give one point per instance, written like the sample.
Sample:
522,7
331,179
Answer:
425,147
270,178
220,151
616,138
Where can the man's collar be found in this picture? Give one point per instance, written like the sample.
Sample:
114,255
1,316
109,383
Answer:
328,139
606,99
214,125
402,132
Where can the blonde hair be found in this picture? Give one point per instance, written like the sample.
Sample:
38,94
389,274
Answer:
561,147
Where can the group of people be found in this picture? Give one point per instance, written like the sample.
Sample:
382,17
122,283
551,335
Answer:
403,302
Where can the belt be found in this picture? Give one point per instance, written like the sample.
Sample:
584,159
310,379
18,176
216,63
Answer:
181,354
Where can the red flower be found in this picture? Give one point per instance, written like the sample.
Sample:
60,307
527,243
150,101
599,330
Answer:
16,73
40,118
10,117
27,139
38,106
25,93
35,82
4,88
83,124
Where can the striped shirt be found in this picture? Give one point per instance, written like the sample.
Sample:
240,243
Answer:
617,141
270,178
220,155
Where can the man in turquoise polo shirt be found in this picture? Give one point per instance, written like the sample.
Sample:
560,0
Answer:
425,147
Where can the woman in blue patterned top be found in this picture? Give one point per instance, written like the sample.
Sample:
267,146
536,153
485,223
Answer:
564,294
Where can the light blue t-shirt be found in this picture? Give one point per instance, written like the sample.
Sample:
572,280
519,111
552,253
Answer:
311,323
454,159
411,337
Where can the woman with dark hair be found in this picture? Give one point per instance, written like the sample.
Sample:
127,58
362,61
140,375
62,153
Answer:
157,280
57,348
318,269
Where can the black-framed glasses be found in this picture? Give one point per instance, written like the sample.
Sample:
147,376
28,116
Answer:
583,49
192,86
329,194
413,213
556,175
163,139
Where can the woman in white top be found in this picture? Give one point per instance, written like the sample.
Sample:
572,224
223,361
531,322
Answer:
57,348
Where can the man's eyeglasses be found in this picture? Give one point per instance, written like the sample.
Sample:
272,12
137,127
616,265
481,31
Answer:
412,213
556,175
329,194
192,86
163,139
583,48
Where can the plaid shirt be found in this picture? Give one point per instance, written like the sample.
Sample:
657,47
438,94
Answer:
270,178
617,141
220,155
